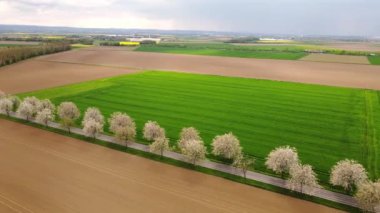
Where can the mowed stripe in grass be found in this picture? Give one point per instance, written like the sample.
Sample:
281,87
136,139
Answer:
326,124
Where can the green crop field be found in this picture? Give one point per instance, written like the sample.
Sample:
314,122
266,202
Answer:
374,60
229,50
326,124
263,51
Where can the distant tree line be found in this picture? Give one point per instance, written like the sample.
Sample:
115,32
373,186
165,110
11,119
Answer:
109,43
10,55
243,40
68,39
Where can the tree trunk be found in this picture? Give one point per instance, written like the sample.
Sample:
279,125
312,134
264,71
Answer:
349,190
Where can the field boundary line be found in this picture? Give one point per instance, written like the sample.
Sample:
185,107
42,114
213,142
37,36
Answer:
317,192
89,64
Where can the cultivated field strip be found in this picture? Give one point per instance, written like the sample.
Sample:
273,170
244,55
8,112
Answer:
270,52
326,124
335,74
349,59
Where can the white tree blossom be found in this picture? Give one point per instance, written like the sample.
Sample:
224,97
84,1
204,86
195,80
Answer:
243,162
188,133
301,176
32,101
159,145
152,131
16,102
347,173
26,110
368,195
44,116
45,104
281,159
227,146
68,112
92,128
194,150
123,126
93,113
6,106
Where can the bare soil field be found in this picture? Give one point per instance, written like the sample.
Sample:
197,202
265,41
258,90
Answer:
359,46
94,63
350,59
54,173
20,42
32,75
335,74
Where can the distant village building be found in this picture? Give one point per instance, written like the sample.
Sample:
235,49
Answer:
315,51
156,40
275,40
268,39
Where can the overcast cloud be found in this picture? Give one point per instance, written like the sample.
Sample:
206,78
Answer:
301,17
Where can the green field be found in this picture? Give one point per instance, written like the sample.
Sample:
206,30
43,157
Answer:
263,51
229,50
375,60
326,124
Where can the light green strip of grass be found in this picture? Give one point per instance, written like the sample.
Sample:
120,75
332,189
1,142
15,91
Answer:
265,52
375,60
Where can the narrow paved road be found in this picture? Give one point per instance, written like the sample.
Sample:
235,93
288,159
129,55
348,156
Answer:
317,192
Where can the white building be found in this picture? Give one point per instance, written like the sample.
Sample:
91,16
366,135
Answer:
157,40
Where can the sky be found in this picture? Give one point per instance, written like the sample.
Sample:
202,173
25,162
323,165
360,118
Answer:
296,17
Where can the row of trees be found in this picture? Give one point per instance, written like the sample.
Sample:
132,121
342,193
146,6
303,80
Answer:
348,174
10,55
284,160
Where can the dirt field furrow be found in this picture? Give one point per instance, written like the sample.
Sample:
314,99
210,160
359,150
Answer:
53,173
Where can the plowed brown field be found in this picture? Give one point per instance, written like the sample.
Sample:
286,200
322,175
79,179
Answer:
46,172
93,63
33,74
331,58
